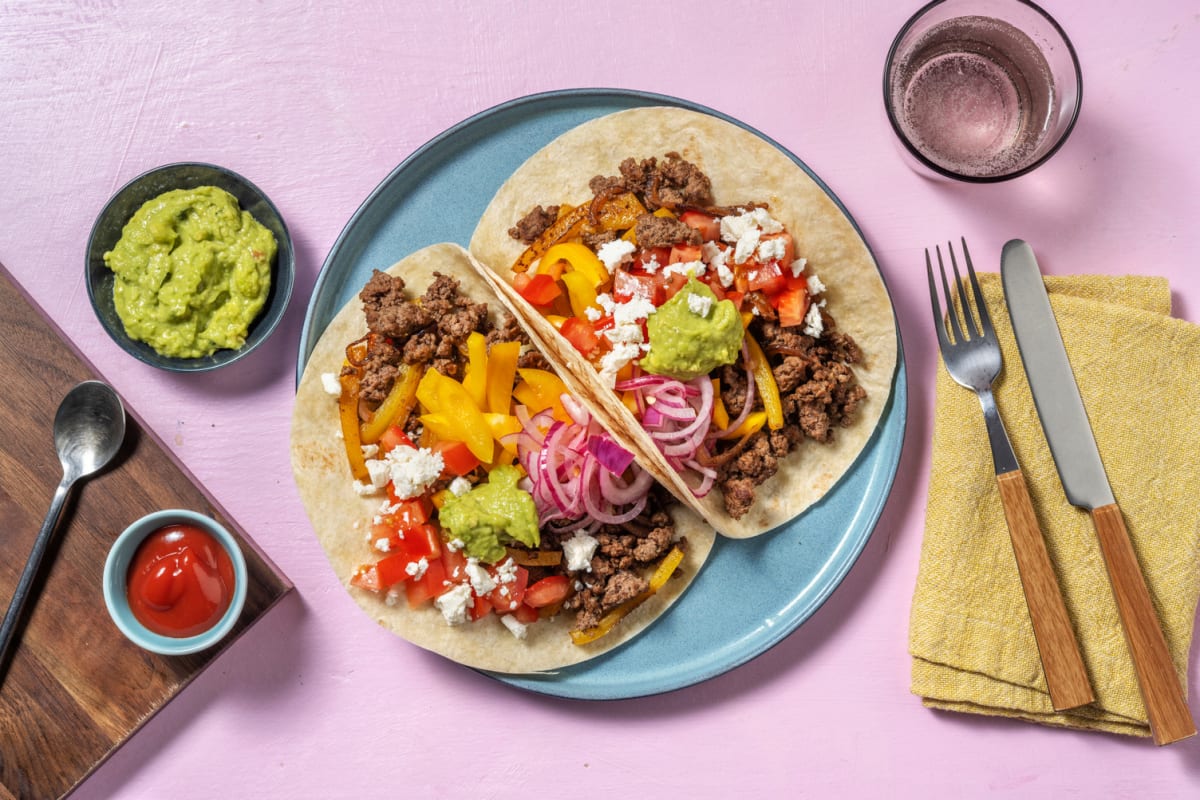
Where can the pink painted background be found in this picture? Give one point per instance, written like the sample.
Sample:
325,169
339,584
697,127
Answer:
316,103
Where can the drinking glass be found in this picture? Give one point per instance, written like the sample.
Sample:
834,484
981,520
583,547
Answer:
981,90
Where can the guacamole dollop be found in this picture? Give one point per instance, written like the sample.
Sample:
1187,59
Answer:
491,511
192,271
692,334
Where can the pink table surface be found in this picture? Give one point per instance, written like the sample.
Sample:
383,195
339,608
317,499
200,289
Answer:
316,103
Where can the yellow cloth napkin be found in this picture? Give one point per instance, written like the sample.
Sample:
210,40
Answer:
1138,371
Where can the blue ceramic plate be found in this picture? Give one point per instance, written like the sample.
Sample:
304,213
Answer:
752,593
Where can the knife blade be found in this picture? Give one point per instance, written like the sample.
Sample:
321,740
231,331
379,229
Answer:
1069,434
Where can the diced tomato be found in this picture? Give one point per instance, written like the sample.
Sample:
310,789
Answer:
542,290
767,278
684,254
708,225
428,586
580,334
628,285
526,614
735,298
604,323
521,280
421,541
671,284
656,254
506,594
457,458
454,565
551,589
392,438
392,569
367,577
480,608
410,512
792,305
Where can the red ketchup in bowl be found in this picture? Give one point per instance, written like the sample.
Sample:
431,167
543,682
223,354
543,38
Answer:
180,581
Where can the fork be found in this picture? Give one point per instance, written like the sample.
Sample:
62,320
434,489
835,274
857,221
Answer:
973,360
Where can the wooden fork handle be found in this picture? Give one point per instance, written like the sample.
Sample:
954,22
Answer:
1062,663
1170,719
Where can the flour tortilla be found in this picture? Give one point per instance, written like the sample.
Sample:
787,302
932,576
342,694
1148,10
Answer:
341,518
743,168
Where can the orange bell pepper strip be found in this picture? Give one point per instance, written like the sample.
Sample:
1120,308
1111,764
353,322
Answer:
501,372
475,380
620,212
565,227
348,416
720,416
764,379
396,406
666,568
752,424
580,259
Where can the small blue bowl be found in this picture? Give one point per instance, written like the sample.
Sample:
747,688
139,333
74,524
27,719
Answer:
121,208
116,569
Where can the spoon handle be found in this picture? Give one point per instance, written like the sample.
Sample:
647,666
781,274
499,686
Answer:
12,618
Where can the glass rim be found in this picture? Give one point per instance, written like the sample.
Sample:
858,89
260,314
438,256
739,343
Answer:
926,162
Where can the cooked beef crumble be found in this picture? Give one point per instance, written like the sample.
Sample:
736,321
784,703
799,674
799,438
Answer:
432,333
534,224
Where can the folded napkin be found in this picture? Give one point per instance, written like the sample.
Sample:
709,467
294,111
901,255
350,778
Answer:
970,636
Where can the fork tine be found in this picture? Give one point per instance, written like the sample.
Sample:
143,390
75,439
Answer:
958,335
968,316
938,321
985,319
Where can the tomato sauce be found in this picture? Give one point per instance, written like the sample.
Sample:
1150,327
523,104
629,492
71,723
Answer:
180,581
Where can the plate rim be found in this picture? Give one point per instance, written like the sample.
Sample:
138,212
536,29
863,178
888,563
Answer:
897,403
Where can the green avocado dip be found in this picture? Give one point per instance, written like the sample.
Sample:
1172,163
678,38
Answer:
192,272
489,512
692,334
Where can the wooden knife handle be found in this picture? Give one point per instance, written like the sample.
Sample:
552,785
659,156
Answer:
1170,719
1062,663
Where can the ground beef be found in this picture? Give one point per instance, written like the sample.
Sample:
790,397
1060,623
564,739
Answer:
655,231
602,186
534,224
380,368
420,349
623,586
456,316
388,311
672,183
597,240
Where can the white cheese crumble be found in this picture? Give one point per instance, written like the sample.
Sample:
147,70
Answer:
592,313
454,604
459,486
612,361
632,311
364,489
745,230
506,571
616,252
798,266
814,326
579,550
515,627
370,450
411,470
699,304
455,545
746,246
383,545
331,384
690,269
814,285
416,569
481,579
718,258
771,250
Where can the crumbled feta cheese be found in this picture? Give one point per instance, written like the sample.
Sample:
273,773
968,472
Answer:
745,230
718,257
383,545
370,450
455,545
393,596
364,489
331,384
632,311
771,249
612,361
814,326
652,266
734,228
459,486
798,266
579,550
699,304
411,470
605,301
615,252
764,220
481,579
506,571
592,313
746,246
689,269
815,286
515,627
379,472
416,569
454,604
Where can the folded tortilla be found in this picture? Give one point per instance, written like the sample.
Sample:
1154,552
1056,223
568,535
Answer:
743,168
341,518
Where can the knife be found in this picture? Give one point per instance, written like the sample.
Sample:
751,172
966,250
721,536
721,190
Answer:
1073,446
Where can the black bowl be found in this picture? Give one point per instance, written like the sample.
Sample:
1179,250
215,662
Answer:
149,185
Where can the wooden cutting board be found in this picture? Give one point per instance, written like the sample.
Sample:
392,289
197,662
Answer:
76,689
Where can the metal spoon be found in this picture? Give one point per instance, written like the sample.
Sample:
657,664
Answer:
88,430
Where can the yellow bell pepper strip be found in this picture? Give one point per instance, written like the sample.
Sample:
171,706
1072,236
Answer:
396,406
501,372
348,416
501,426
438,498
475,379
565,227
662,574
752,424
581,293
620,212
540,390
580,259
427,390
720,415
764,379
471,428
